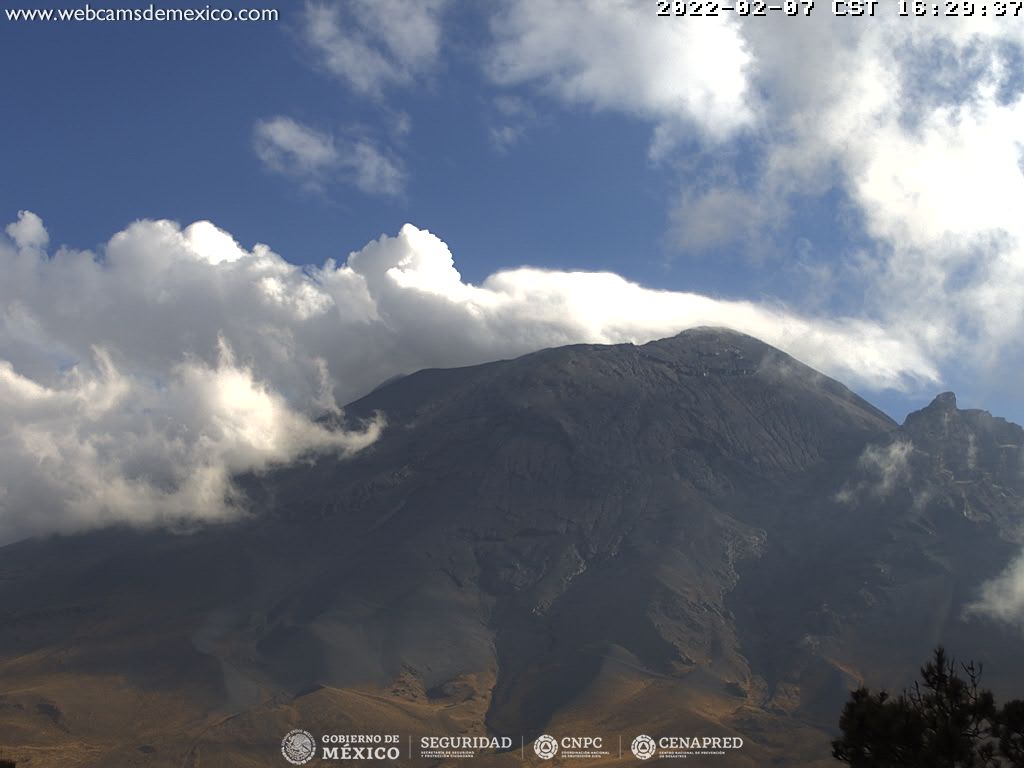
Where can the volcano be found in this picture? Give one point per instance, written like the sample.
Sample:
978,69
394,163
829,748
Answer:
699,536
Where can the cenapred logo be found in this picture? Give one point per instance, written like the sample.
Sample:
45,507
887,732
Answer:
298,746
546,747
643,747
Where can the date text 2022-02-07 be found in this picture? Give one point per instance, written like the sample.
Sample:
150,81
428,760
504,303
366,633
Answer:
854,8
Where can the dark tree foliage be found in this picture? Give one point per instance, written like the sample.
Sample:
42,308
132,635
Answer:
1011,732
946,720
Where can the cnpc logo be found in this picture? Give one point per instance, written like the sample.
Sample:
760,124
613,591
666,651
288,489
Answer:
546,747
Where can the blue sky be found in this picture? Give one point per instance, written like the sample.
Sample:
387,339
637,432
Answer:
846,189
162,122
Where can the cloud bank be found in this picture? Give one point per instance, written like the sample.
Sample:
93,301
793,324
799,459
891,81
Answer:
134,382
99,445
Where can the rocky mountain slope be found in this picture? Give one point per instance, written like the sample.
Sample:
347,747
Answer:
700,534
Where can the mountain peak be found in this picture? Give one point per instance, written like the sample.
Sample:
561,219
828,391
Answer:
936,417
711,335
945,401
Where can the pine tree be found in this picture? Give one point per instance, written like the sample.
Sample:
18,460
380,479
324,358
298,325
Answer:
945,720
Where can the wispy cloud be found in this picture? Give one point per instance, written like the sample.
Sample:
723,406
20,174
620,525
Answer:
512,117
319,159
287,146
882,468
372,45
1002,598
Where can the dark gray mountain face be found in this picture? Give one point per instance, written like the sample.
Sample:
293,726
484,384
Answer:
701,515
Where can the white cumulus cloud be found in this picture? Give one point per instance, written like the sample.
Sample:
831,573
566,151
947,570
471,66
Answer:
680,74
28,231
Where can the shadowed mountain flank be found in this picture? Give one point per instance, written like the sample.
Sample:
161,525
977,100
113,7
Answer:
697,533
